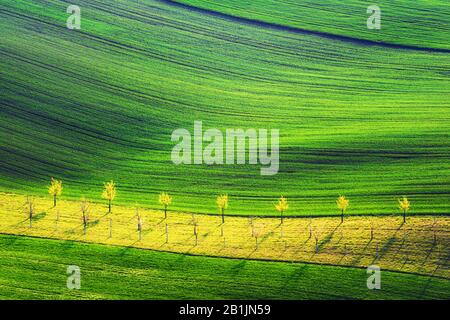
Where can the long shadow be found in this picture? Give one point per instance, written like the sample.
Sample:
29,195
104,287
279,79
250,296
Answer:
92,224
328,238
19,223
429,252
39,216
297,275
342,258
387,246
237,268
358,258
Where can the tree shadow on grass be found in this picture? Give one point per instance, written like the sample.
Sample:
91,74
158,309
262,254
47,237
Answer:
39,216
15,225
297,275
429,252
35,218
238,267
342,258
385,248
124,251
328,237
161,221
92,224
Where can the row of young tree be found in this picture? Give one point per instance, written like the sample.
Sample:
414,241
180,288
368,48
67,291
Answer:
109,194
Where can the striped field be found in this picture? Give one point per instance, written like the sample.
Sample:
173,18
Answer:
87,106
361,113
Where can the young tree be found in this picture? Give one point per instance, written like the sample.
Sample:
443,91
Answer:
257,232
404,205
165,200
30,209
342,204
434,230
167,233
316,238
139,224
194,222
310,227
222,203
84,207
281,207
109,193
250,221
55,189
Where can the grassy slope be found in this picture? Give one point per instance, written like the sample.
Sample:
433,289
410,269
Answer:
369,122
422,24
36,269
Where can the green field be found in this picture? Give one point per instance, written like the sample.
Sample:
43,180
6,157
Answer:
33,268
422,25
361,113
370,122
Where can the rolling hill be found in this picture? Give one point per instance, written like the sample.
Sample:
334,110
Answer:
100,103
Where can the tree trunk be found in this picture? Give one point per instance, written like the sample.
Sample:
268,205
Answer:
54,200
404,216
165,212
281,217
167,234
342,216
223,215
109,206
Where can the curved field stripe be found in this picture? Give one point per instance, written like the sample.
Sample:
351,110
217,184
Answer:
403,25
279,27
